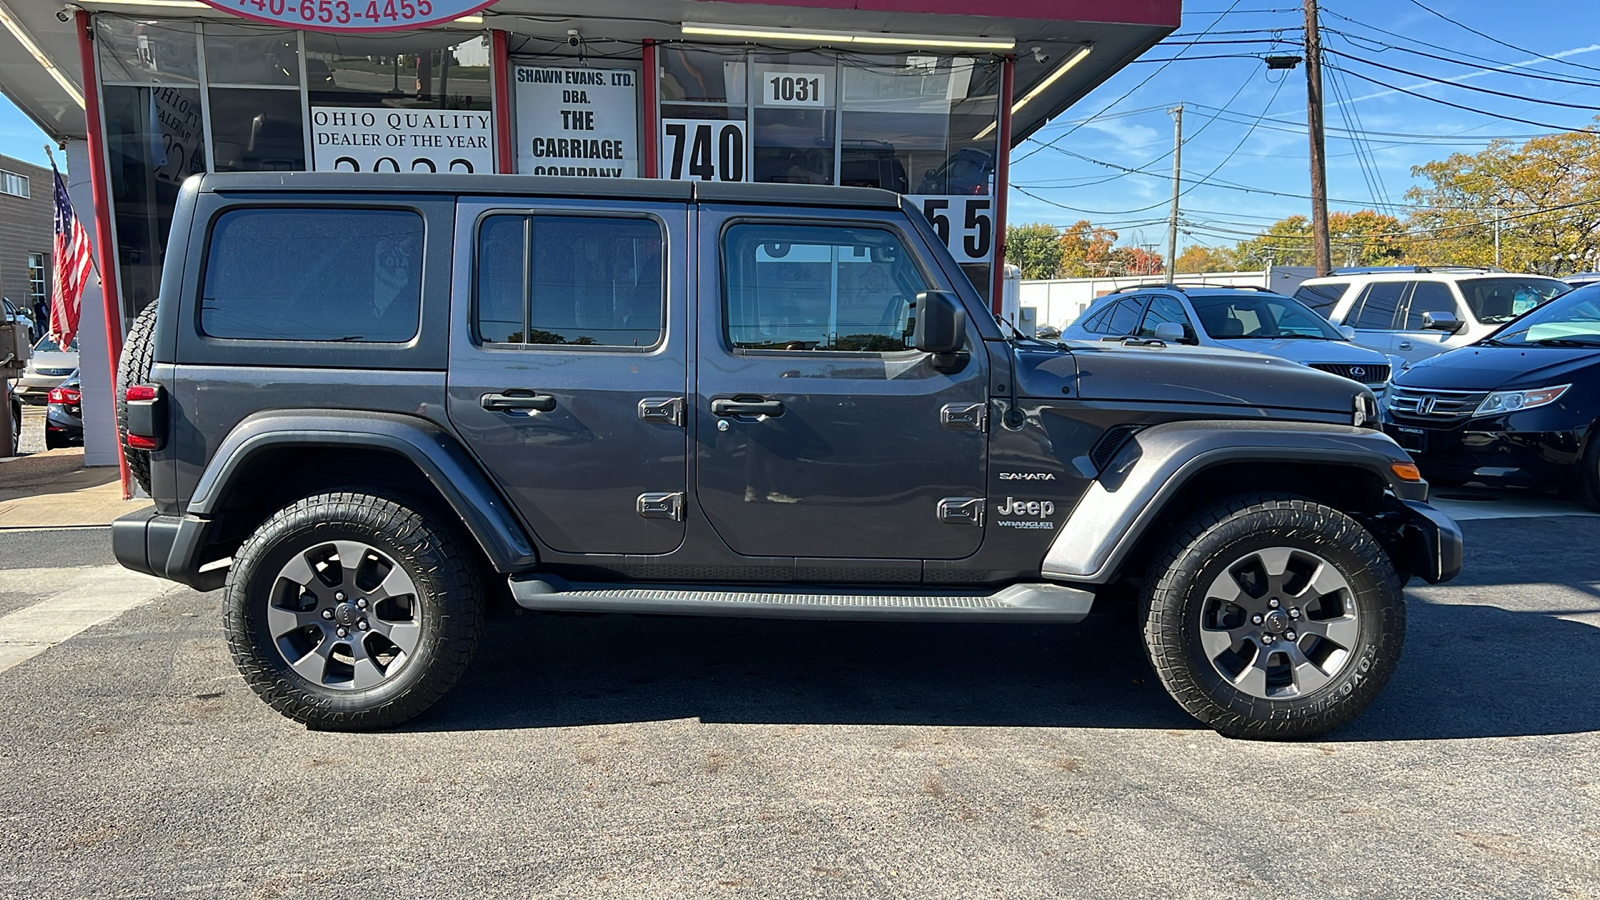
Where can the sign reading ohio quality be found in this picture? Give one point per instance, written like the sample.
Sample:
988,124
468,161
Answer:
577,122
366,139
350,15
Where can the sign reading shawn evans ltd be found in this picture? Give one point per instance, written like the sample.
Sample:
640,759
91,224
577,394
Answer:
577,122
349,16
375,139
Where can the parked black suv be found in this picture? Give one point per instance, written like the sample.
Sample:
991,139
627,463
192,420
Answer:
384,397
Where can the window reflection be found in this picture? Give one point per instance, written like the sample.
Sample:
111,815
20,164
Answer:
414,71
146,52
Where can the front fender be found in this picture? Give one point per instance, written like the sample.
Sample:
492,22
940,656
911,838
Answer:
1155,464
438,455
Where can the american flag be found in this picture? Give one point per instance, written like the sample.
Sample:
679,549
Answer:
72,261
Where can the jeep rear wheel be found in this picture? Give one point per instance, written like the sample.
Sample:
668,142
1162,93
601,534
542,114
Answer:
348,611
138,351
1273,617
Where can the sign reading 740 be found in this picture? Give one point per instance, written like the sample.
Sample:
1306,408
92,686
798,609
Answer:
351,15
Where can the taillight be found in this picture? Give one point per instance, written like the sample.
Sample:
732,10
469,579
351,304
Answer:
140,442
140,392
65,396
147,417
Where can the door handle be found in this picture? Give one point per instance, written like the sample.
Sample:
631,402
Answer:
519,399
742,407
1405,345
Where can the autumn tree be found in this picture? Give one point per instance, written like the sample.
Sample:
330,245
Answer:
1086,250
1035,249
1198,259
1362,238
1546,193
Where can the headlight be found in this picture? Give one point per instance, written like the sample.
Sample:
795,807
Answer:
1366,411
1514,401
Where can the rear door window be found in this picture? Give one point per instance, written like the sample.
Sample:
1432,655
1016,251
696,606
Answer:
299,274
1124,318
1322,297
1165,309
572,281
1378,304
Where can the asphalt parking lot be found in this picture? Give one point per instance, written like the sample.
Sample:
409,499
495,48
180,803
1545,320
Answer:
618,756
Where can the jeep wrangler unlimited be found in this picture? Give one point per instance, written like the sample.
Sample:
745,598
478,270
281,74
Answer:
363,404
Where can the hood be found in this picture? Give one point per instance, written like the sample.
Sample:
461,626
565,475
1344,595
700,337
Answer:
1180,374
1484,368
53,359
1310,350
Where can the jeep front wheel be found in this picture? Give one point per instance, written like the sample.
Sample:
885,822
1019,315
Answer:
348,611
1273,617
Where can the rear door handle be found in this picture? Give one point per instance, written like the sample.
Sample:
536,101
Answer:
519,399
742,407
1405,345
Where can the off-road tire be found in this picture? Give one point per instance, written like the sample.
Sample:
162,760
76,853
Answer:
1589,470
1172,603
138,351
449,604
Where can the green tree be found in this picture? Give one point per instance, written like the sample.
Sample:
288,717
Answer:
1035,249
1546,193
1362,238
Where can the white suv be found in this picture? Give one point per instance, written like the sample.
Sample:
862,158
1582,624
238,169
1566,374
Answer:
1416,312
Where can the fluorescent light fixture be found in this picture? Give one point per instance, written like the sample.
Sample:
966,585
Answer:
467,20
26,40
1054,76
848,37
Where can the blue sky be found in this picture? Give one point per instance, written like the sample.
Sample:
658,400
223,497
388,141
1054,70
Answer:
1125,123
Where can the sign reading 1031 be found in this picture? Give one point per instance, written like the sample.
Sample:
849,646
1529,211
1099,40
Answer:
702,150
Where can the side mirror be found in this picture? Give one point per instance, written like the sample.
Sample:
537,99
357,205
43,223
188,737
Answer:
1348,331
1171,333
1442,321
940,327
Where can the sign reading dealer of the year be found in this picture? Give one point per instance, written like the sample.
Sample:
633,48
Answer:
350,15
577,122
365,139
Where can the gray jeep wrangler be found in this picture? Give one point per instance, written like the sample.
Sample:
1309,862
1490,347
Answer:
362,405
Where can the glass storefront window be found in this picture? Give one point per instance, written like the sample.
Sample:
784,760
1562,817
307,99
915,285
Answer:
146,52
243,54
909,124
256,130
793,119
409,71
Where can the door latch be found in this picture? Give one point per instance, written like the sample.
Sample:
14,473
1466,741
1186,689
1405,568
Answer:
661,506
662,409
967,416
961,510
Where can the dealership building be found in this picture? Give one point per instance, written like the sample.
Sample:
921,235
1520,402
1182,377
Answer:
922,97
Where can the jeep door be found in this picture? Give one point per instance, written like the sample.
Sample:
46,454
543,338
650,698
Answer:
568,365
819,432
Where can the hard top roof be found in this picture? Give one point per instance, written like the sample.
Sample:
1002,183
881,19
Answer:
549,186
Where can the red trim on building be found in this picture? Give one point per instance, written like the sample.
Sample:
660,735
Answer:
504,160
1002,180
652,112
99,186
1132,12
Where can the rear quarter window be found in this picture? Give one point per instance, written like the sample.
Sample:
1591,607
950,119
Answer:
299,274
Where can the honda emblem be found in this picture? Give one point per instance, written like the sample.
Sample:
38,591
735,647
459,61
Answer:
1426,404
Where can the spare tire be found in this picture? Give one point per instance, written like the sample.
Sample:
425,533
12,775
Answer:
138,351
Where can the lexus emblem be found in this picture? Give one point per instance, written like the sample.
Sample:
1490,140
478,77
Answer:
1357,372
1426,404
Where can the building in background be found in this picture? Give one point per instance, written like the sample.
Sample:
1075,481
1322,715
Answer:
922,97
25,234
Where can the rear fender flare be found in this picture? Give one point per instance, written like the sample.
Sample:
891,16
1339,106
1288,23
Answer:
434,451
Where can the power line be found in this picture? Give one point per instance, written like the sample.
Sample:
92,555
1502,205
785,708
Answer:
1377,46
1481,112
1496,40
1457,84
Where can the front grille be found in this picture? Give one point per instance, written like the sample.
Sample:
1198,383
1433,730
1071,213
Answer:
1378,373
1433,405
55,373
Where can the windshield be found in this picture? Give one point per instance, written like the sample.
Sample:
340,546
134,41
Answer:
1573,320
1494,301
46,345
1260,316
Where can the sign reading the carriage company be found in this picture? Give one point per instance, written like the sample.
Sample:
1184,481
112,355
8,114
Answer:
351,15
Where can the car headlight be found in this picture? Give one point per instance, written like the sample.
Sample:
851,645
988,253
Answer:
1515,401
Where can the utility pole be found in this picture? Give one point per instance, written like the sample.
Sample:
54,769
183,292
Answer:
1319,167
1177,177
1497,232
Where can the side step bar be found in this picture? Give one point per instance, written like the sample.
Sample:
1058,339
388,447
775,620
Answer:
1019,602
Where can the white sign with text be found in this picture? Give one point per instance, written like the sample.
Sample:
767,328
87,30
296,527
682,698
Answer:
794,86
369,139
577,122
964,222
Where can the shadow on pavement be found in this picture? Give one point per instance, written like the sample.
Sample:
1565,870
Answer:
1470,669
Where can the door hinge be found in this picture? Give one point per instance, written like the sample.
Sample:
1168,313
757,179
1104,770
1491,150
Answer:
662,409
971,416
661,506
961,510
